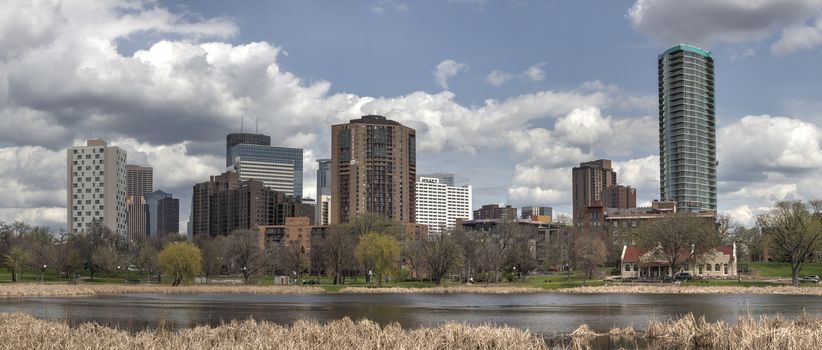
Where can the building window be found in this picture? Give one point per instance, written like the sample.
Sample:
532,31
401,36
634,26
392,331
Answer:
726,269
716,267
627,267
636,267
708,267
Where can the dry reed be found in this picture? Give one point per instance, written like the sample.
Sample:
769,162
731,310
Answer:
40,290
748,333
21,331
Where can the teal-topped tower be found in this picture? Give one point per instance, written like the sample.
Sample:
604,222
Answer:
687,128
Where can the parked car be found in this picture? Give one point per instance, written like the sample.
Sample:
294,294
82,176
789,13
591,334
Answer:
682,276
809,279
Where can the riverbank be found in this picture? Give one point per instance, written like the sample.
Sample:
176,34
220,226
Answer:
22,331
46,290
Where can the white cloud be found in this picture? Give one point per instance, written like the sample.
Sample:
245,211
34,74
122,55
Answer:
535,72
446,70
498,78
799,37
381,7
705,22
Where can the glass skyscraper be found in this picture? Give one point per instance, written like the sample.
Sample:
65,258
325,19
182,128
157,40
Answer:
279,168
687,128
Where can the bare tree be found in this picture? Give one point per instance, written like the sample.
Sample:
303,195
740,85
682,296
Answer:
340,246
210,248
440,254
243,253
679,239
795,230
375,223
726,226
588,253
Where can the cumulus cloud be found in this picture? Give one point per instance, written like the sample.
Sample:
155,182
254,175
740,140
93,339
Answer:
446,70
498,78
705,22
797,38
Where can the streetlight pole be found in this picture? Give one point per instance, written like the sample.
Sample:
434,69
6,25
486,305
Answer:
43,273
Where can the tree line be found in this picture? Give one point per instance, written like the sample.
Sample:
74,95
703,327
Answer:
378,249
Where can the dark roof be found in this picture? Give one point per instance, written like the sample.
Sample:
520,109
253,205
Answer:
374,119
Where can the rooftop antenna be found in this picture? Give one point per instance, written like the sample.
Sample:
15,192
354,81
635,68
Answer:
257,125
242,119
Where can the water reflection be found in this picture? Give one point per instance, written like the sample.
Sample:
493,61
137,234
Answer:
548,314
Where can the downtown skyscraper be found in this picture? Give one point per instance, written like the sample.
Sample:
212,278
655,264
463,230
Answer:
373,170
687,128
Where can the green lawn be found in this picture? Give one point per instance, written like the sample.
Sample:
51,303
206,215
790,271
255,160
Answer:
778,269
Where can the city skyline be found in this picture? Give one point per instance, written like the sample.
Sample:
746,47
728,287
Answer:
512,127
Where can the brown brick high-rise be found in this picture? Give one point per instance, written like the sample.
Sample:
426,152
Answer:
590,179
373,169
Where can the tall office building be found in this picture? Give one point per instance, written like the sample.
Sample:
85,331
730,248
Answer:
168,216
440,205
589,181
137,214
139,180
225,203
323,204
96,176
621,197
163,213
373,169
253,157
687,128
237,138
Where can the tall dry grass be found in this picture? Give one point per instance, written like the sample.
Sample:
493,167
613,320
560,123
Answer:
41,290
677,289
21,331
688,332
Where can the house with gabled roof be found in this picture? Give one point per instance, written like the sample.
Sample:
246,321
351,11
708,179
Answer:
719,262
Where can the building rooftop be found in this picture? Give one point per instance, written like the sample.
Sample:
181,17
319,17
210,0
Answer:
689,48
374,119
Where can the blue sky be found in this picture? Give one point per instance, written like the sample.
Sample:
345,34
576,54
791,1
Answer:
507,94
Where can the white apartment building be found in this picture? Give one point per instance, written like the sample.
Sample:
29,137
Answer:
276,176
439,205
323,209
96,187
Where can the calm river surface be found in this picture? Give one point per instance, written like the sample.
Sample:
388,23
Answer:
545,313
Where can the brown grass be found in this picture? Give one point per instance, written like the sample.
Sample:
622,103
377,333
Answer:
32,289
443,290
803,333
676,289
21,331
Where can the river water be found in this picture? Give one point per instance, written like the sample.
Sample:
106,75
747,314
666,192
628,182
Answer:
545,313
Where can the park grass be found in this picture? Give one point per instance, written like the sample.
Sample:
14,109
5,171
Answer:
21,331
782,270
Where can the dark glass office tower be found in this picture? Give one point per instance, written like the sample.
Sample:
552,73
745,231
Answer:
687,128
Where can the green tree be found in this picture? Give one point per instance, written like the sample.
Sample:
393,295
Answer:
15,260
380,252
181,260
794,229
